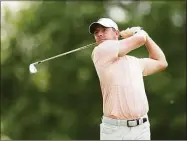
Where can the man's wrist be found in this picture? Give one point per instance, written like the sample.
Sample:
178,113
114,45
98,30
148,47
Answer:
139,29
131,31
142,32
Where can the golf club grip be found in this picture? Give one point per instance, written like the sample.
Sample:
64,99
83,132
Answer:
75,50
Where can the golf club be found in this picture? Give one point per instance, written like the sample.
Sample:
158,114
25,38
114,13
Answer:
33,69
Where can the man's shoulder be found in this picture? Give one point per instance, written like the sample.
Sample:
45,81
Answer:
94,50
109,43
105,45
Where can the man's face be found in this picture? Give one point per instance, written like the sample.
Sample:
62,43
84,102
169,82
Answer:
102,33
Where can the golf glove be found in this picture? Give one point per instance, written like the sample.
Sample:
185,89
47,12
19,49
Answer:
130,31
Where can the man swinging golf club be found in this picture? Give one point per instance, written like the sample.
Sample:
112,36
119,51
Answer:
125,105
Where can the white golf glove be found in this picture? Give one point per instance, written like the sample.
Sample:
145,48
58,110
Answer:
130,31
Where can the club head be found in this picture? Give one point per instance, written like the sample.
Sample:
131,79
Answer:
32,68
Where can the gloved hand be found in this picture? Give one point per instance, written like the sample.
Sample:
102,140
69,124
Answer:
130,31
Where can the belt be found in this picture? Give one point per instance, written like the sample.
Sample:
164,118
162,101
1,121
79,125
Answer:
128,123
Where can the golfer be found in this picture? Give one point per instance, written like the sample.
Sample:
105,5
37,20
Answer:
125,105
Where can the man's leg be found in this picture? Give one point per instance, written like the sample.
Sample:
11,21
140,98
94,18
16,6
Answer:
143,132
112,132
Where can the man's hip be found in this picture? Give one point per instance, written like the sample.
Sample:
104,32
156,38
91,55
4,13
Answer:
115,129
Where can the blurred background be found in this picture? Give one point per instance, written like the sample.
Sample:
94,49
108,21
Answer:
63,100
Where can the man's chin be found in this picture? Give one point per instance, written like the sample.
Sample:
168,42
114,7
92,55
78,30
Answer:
101,41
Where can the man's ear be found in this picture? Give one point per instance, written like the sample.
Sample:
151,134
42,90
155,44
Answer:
118,33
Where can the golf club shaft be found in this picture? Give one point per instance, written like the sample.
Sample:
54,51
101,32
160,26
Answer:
78,49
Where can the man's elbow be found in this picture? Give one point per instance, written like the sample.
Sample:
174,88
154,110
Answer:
163,65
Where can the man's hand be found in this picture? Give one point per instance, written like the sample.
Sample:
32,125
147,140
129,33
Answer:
129,32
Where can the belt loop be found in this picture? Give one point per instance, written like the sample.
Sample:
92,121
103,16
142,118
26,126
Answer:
118,122
138,121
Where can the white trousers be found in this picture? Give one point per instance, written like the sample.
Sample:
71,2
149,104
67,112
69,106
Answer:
122,132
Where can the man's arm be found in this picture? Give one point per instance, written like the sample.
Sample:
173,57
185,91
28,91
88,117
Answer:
156,61
110,50
131,43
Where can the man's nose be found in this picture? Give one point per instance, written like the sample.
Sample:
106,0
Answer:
100,34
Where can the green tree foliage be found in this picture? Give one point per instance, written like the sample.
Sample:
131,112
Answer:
63,100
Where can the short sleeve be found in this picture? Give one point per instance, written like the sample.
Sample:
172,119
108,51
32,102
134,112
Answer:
106,52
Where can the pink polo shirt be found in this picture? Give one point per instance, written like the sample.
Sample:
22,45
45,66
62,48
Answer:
121,81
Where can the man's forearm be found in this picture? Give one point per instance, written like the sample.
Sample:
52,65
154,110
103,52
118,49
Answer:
132,43
154,50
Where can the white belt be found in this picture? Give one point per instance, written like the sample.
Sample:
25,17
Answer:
128,123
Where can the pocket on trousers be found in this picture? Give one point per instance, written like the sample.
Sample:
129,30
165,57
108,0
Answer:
146,128
108,129
146,125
